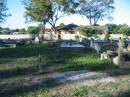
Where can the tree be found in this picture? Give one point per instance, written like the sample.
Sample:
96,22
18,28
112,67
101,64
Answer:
23,30
16,30
124,29
118,29
61,25
48,10
87,30
37,10
60,8
1,29
3,10
112,28
95,10
33,30
6,31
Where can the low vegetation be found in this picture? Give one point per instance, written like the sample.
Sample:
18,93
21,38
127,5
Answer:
62,60
100,90
24,74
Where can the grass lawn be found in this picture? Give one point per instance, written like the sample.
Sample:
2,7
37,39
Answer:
100,90
21,74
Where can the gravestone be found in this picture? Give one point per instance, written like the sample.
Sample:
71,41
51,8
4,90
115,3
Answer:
95,45
120,51
104,55
37,40
119,58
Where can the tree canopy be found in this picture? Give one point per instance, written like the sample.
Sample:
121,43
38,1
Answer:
87,30
36,10
95,10
61,25
3,10
119,29
49,11
124,29
33,30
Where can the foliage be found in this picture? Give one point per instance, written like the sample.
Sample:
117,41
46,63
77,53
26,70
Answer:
112,28
124,29
95,10
87,30
36,10
11,31
5,31
121,29
3,10
59,9
33,30
16,30
23,30
48,10
61,25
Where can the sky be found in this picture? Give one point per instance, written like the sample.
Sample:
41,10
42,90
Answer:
121,15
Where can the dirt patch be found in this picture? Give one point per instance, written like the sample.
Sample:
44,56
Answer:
82,78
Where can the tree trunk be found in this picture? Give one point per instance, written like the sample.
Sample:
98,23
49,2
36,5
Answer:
54,29
90,19
43,29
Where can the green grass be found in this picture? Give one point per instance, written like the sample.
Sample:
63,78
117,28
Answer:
19,67
99,90
65,60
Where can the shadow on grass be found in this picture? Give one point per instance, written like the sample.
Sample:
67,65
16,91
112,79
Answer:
18,72
44,69
6,60
23,89
24,51
124,94
118,72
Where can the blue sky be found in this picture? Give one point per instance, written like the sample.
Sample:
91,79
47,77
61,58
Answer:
17,20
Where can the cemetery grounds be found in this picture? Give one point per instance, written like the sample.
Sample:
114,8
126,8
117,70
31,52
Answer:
30,70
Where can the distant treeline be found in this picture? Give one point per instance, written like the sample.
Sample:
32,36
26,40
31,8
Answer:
112,29
12,31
